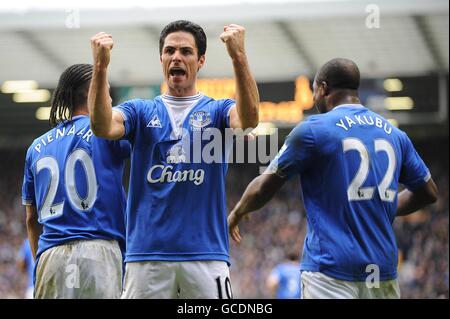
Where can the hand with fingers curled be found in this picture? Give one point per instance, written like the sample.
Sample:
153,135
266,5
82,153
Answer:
233,37
233,220
101,45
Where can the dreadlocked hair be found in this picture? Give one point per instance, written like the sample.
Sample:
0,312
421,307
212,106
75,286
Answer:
72,89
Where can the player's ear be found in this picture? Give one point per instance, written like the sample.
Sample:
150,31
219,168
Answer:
201,62
325,88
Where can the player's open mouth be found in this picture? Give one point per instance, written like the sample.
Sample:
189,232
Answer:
176,71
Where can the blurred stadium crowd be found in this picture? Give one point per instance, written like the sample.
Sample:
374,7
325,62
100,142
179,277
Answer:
270,234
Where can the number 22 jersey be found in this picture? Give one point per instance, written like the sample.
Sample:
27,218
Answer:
350,162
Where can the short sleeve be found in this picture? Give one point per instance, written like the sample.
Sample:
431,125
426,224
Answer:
297,153
414,173
225,108
130,113
28,194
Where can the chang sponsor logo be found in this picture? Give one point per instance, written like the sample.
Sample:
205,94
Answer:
166,174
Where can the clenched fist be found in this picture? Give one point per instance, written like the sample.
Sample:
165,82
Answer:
233,37
101,44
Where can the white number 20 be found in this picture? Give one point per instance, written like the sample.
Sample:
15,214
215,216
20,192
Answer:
355,191
51,209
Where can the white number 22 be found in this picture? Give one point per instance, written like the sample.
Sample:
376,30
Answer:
50,209
355,191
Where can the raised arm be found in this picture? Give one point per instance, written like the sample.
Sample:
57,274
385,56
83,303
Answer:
258,193
105,122
245,114
410,202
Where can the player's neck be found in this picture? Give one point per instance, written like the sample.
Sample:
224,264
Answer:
182,92
340,99
83,110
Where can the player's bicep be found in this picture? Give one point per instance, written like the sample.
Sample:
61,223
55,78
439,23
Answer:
235,121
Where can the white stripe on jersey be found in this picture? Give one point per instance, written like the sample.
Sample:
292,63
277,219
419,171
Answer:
178,108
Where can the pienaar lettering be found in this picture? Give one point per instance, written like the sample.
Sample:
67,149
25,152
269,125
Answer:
60,133
167,175
347,122
194,309
71,131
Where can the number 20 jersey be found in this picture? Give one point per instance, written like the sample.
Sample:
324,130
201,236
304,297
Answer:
75,181
350,161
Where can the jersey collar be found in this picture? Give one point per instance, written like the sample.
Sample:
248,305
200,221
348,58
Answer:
78,116
198,96
348,105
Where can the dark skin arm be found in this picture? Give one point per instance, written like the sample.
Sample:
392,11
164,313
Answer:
34,229
258,193
22,265
261,190
410,202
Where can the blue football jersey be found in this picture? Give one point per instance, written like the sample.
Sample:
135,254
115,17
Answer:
176,207
288,275
75,181
350,162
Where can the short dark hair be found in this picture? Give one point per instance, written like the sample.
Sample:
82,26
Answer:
293,255
185,26
72,90
339,73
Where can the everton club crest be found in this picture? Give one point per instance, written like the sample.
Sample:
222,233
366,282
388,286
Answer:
198,120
